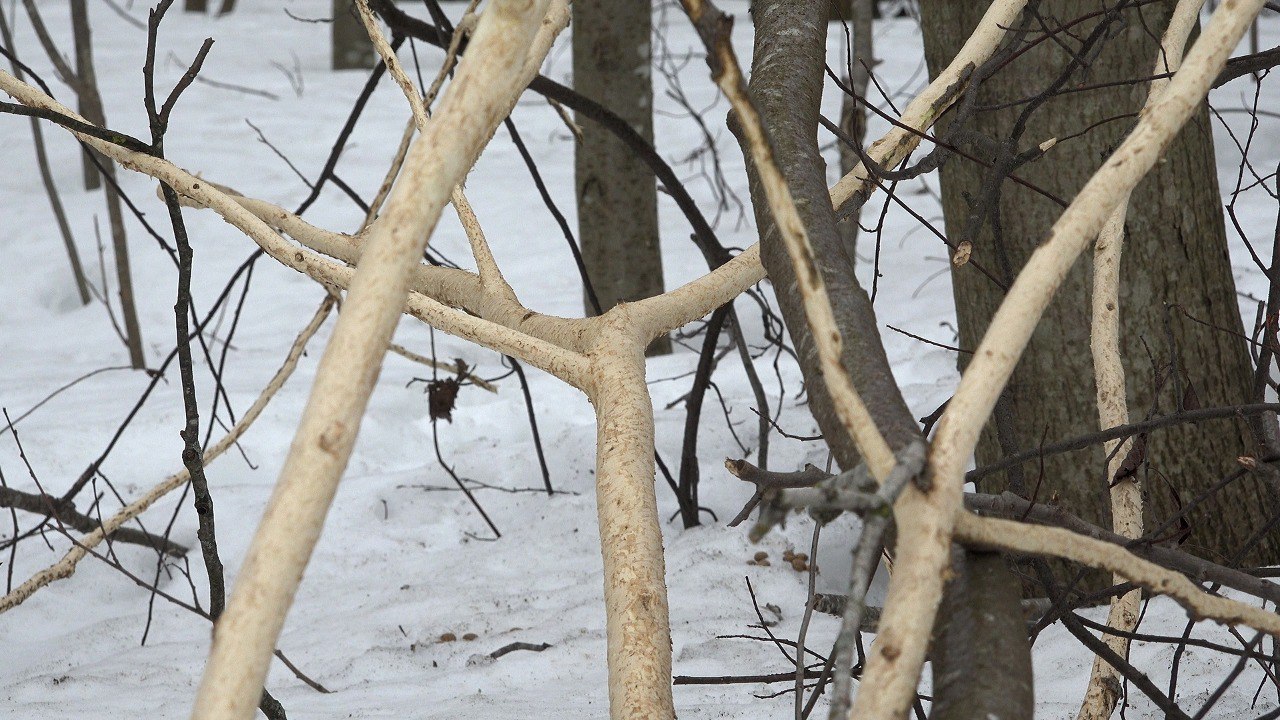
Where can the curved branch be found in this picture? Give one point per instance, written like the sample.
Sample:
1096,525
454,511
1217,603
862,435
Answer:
1057,542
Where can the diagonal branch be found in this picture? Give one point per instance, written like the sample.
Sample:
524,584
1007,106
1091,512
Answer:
486,87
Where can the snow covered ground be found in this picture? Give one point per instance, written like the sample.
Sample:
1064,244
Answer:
403,559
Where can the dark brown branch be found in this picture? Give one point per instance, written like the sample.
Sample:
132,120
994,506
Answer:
1123,431
65,512
788,676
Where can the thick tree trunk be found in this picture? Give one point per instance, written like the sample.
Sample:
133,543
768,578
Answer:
352,48
617,195
1175,255
786,86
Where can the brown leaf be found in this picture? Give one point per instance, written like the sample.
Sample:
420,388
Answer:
442,396
1132,460
1190,401
962,253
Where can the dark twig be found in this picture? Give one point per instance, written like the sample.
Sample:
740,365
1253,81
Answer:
689,471
533,422
65,512
1124,431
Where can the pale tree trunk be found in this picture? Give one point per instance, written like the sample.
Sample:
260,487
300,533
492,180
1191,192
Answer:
1175,254
617,195
352,48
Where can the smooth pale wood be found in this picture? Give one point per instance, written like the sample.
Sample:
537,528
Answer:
1113,410
481,95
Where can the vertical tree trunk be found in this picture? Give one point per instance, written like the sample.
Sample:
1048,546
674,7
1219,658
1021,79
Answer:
92,109
617,195
90,102
124,277
196,6
786,87
352,48
1175,255
853,116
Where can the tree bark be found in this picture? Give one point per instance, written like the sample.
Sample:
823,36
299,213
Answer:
352,48
617,195
90,102
786,86
853,116
46,177
1175,261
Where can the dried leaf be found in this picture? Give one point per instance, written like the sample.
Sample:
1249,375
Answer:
1132,460
1190,401
962,253
442,396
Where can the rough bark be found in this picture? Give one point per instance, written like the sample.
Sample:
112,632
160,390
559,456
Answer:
1176,255
786,86
975,642
617,195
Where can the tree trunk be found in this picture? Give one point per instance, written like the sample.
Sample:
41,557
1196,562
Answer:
786,87
197,6
352,48
853,116
87,96
92,109
1175,262
617,195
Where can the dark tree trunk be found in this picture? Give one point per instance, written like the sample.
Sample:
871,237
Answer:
617,195
853,116
1175,254
91,108
786,86
87,96
352,48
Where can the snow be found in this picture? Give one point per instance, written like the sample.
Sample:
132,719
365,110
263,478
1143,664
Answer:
405,558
